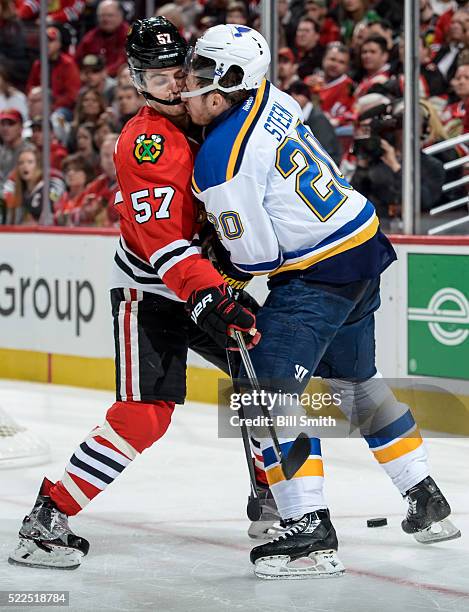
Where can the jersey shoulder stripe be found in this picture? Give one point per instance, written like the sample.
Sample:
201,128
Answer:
221,154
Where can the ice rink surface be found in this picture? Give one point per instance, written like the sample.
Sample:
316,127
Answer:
170,533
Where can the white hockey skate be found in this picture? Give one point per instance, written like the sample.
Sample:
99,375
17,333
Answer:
427,516
307,549
46,540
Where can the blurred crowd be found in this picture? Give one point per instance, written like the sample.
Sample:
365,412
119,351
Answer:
342,60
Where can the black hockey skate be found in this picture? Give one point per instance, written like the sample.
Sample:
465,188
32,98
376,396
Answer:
268,526
427,514
307,549
46,539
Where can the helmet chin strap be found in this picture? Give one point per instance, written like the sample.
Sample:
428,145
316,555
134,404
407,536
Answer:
148,96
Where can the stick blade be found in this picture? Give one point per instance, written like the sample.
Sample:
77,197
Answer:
297,455
254,509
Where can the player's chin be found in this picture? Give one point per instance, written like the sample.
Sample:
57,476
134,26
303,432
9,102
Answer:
176,109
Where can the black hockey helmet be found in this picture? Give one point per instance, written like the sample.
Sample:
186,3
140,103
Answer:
155,43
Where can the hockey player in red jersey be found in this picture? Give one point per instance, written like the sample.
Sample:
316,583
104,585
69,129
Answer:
158,267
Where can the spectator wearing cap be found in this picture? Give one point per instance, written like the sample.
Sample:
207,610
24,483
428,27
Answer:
334,86
287,68
329,30
10,97
93,75
60,11
308,51
316,120
57,151
374,57
64,75
108,38
11,128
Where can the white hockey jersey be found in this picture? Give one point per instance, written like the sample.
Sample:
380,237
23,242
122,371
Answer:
278,201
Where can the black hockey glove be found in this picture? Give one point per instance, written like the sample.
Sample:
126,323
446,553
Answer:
217,312
245,299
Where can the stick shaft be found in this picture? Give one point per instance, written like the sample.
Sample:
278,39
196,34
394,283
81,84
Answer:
244,433
246,358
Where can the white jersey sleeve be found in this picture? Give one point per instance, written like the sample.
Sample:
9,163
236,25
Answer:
236,211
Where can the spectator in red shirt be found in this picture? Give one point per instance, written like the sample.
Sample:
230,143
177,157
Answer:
77,172
447,57
329,30
443,24
64,75
96,204
108,38
334,86
57,151
287,68
374,58
454,115
60,11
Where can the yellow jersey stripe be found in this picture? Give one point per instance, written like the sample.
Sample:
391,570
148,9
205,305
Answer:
311,467
242,132
399,449
350,243
195,187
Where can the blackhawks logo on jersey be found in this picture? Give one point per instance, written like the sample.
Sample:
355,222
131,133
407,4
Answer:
148,148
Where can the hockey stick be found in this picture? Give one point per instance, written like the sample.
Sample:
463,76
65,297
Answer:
253,509
301,447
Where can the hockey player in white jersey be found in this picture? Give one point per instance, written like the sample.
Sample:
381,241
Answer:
281,207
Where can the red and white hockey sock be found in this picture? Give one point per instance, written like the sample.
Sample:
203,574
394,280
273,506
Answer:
259,468
129,428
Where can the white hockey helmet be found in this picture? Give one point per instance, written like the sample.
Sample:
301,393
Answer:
230,45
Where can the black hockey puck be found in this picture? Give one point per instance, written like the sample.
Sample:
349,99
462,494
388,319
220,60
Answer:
376,522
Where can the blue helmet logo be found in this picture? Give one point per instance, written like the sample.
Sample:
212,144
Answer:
240,30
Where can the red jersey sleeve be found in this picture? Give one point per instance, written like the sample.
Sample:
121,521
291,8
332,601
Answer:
158,214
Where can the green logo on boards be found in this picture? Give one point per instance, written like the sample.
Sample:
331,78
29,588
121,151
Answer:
438,315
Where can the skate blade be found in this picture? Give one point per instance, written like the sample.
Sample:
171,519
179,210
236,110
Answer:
28,554
440,531
265,530
319,564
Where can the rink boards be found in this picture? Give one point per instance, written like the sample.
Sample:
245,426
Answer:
55,319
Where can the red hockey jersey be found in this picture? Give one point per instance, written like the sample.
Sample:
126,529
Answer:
336,100
159,249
